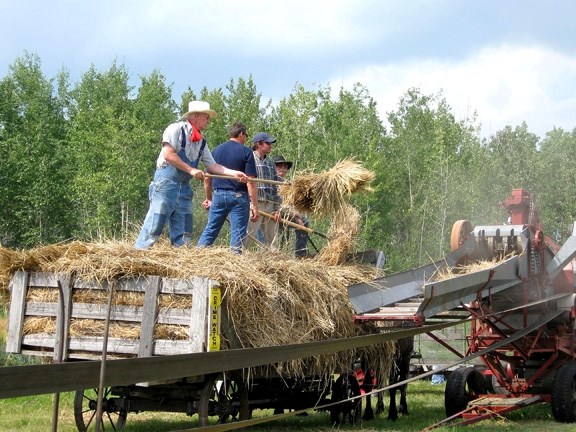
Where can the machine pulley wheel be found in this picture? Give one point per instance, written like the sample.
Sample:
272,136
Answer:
224,398
463,386
345,387
564,394
85,406
460,232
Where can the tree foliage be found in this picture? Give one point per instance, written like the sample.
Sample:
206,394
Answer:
77,158
34,171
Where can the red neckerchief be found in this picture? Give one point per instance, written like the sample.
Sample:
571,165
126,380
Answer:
195,135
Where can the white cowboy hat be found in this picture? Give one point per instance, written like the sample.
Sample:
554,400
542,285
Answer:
199,107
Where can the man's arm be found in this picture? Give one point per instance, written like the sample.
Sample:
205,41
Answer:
218,169
253,194
208,192
173,159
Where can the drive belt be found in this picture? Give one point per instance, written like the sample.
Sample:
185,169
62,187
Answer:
18,381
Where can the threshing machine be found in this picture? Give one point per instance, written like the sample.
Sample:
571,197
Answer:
517,289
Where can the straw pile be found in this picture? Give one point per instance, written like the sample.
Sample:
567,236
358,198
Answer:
271,299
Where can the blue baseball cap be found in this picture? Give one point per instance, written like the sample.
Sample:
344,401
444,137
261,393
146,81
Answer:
263,136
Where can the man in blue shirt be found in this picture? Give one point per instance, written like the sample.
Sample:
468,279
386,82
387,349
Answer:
229,197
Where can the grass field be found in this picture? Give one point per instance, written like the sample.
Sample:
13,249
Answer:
426,404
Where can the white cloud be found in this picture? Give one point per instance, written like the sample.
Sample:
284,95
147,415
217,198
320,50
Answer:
249,27
337,42
505,85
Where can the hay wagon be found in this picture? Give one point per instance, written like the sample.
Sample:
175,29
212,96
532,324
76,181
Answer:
57,317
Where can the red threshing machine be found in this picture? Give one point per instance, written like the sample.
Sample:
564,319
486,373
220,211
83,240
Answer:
521,305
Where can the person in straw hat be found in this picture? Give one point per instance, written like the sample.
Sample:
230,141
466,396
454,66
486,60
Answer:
268,197
170,193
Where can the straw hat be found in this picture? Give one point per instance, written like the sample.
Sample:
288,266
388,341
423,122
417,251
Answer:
199,107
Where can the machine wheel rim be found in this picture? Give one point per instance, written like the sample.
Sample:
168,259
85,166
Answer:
460,232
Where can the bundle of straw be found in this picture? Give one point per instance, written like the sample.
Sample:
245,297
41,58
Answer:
326,193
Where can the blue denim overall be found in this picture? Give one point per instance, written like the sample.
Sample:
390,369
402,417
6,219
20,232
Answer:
170,198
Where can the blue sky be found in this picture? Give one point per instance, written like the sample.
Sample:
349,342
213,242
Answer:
507,60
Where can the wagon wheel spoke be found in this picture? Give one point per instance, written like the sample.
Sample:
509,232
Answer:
85,407
225,397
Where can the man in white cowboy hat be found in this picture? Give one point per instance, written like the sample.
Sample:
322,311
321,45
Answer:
170,194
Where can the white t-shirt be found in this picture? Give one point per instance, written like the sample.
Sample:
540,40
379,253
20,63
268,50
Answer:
172,136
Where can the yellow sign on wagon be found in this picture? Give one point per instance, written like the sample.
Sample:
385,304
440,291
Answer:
214,337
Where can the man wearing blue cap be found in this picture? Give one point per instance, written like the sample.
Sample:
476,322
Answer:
268,198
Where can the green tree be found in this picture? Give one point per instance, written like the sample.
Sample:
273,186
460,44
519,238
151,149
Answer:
34,200
513,154
116,139
556,181
422,159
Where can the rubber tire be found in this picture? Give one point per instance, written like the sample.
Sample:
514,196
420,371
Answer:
349,410
463,386
89,397
222,403
564,394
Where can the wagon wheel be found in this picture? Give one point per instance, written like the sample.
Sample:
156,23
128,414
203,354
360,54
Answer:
564,394
225,398
460,232
85,404
346,387
463,386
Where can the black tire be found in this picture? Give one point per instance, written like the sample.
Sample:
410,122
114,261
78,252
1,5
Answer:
463,386
85,406
345,387
224,398
564,394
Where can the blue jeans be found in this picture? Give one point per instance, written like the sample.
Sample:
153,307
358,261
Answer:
301,245
224,203
170,202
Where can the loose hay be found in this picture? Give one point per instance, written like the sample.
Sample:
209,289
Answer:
270,299
469,267
343,234
95,328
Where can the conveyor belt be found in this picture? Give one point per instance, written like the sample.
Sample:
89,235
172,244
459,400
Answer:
370,296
